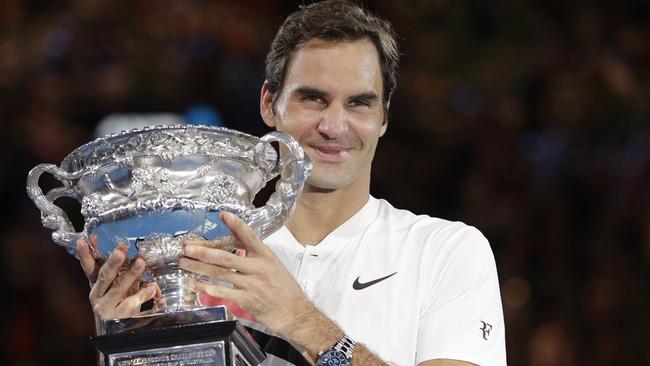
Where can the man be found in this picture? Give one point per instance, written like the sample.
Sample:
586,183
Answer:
348,276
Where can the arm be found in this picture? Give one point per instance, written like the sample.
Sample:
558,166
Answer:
266,290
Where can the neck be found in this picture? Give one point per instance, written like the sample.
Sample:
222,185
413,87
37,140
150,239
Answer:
318,212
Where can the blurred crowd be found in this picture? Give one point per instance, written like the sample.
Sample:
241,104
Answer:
527,119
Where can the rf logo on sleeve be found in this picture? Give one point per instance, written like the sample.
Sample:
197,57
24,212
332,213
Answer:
486,330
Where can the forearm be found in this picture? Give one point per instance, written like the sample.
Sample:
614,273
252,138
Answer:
316,333
312,332
264,288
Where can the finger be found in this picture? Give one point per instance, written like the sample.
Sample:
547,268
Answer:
88,263
235,278
159,303
135,287
217,243
131,305
219,258
227,243
93,245
108,272
231,294
244,233
124,282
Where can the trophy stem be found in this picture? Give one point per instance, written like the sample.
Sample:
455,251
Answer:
174,291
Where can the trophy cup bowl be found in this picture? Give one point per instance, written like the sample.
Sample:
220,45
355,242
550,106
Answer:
150,189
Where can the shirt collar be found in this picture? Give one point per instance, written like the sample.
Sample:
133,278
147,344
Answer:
353,226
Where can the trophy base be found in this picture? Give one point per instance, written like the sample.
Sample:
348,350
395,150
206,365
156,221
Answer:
174,339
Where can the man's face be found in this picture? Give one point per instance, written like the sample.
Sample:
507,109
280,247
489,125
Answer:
331,103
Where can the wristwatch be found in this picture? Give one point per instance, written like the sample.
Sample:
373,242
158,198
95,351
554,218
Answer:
339,354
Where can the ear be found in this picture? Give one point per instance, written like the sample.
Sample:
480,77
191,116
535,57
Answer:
266,106
383,129
384,124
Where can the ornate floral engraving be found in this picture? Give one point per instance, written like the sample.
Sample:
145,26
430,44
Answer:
165,169
222,189
159,249
167,142
161,179
92,205
151,178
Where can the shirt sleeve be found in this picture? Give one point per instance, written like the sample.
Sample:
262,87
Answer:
461,316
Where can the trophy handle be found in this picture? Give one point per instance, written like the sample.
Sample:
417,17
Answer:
52,216
294,168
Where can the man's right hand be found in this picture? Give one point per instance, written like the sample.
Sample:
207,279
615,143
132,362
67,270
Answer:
115,293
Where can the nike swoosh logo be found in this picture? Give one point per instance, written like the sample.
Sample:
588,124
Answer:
360,286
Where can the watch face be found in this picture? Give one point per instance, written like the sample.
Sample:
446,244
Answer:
333,358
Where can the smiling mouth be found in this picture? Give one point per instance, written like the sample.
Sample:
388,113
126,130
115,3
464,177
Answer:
329,153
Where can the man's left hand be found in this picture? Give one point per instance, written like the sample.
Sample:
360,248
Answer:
261,284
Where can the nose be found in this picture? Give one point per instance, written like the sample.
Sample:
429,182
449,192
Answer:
334,121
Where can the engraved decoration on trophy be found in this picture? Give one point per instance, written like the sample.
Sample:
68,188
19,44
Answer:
149,189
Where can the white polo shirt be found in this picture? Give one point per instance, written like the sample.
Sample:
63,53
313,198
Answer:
410,288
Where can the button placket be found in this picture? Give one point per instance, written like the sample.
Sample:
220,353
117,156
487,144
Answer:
301,265
310,262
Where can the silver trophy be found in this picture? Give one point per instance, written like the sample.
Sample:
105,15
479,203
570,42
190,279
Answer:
150,189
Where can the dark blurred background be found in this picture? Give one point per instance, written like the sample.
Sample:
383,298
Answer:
527,119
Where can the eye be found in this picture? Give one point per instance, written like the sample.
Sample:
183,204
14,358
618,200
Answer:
359,103
313,98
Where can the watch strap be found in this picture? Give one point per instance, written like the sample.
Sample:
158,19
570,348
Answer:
346,346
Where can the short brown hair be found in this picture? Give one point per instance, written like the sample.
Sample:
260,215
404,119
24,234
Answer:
332,20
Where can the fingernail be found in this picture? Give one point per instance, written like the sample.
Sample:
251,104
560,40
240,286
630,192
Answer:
191,286
192,242
227,216
214,244
189,249
151,290
117,256
122,248
138,264
155,287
